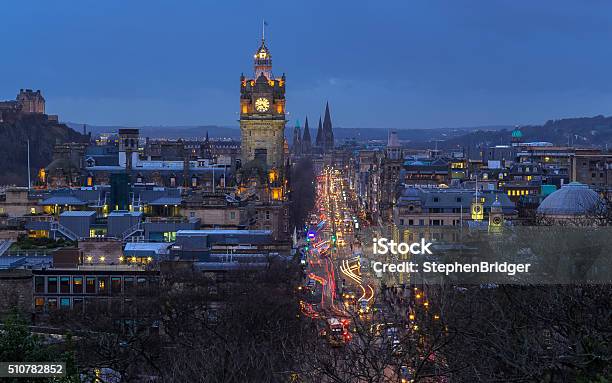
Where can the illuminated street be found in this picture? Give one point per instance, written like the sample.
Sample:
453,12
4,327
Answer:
340,287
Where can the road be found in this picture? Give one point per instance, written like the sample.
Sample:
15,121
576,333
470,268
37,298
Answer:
333,250
338,286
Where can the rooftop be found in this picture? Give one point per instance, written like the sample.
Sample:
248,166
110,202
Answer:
223,231
572,199
75,213
124,213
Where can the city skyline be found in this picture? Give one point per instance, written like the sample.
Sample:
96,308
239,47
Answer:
426,66
160,201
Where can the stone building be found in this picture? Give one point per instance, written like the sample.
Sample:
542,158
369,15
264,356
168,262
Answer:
26,102
262,112
390,167
16,288
594,170
31,102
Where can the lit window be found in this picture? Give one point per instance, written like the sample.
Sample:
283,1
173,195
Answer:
102,282
90,286
77,285
52,303
64,303
169,236
65,285
39,304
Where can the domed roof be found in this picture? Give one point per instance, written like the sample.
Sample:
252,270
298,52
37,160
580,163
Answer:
572,199
516,133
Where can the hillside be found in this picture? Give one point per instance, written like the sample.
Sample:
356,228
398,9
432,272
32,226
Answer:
341,134
581,132
174,132
407,135
43,135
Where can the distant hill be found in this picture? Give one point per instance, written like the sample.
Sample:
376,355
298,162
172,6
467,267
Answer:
43,135
585,131
174,132
581,132
409,135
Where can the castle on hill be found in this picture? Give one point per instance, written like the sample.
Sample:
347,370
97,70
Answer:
27,102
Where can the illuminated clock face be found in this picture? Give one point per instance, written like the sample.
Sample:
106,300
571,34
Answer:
262,104
497,220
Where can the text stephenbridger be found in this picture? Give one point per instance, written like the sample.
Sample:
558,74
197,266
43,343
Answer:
450,268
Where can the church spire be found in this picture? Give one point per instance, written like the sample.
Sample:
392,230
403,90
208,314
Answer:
206,148
306,141
328,132
320,138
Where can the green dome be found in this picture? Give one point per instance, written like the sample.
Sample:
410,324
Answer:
516,133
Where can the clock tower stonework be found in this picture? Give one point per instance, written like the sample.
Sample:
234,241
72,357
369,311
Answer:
262,112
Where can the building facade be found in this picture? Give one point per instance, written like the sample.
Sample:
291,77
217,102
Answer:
262,112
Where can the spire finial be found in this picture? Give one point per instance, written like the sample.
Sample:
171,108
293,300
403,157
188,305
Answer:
263,30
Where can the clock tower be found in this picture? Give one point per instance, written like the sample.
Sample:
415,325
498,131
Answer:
262,112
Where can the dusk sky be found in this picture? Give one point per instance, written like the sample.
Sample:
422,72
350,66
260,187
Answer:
381,64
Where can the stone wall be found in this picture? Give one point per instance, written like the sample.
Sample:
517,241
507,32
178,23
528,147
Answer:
16,291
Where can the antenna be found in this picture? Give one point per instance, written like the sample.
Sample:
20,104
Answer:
263,30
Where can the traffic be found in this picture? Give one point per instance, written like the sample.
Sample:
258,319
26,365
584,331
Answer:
340,293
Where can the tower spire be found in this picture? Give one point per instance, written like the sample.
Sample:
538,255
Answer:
306,141
328,132
263,58
320,139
